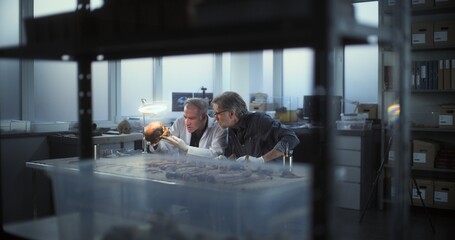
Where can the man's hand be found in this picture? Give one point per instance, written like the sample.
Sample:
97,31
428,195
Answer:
247,158
179,143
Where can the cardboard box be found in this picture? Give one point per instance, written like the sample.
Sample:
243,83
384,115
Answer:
50,126
444,194
418,4
441,3
424,153
370,109
259,107
391,156
440,74
444,33
422,35
446,116
445,159
288,116
389,5
425,187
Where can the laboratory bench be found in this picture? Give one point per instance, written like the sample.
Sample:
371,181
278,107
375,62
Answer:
20,182
67,145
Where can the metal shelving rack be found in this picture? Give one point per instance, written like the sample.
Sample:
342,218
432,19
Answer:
435,13
324,29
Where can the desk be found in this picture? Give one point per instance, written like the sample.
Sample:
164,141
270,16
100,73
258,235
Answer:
67,145
221,197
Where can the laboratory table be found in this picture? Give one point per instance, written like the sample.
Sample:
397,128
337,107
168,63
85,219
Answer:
67,145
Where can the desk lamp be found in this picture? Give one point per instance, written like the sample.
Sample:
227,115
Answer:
154,109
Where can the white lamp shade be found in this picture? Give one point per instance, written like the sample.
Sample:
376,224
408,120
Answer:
152,108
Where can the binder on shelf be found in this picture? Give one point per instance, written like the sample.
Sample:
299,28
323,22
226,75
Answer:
441,75
422,35
435,74
388,81
447,74
418,72
424,80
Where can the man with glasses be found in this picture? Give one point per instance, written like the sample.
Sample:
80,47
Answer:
252,136
194,133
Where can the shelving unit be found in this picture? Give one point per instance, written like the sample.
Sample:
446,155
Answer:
424,101
332,31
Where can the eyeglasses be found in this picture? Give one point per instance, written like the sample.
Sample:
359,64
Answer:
216,113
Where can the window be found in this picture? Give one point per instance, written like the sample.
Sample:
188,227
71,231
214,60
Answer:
55,82
136,83
298,73
187,74
361,72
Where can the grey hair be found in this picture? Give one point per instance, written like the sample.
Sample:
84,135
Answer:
231,101
201,104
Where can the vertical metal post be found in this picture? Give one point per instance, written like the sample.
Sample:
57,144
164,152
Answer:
26,66
84,80
84,83
400,227
324,45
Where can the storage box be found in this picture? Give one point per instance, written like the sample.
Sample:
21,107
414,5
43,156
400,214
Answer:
389,5
354,125
425,187
150,194
259,107
445,159
444,194
354,116
370,109
14,126
50,126
444,33
446,116
417,4
422,35
441,3
428,119
424,153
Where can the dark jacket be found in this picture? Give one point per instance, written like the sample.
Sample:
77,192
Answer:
258,133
